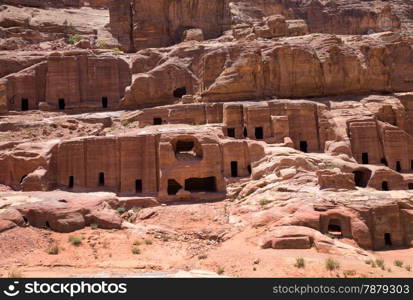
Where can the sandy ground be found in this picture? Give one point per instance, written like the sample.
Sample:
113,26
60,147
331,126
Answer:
199,239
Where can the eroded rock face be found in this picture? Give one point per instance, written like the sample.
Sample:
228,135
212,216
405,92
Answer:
139,24
328,65
85,81
65,215
299,112
59,3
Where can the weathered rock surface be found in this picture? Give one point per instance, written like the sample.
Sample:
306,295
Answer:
296,115
65,214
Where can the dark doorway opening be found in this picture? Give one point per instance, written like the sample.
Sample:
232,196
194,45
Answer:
71,182
180,92
384,162
234,169
304,146
365,158
249,169
105,102
387,239
195,185
398,166
101,179
385,186
334,228
186,150
157,121
231,132
173,187
184,146
410,186
62,104
138,186
411,164
47,225
362,177
259,133
25,104
245,133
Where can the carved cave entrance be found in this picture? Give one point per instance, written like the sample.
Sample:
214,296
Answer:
365,158
179,92
105,102
385,186
187,149
101,179
138,186
173,187
157,121
410,186
384,162
362,177
387,239
334,228
304,146
71,182
259,133
25,104
398,166
231,132
62,104
234,169
196,185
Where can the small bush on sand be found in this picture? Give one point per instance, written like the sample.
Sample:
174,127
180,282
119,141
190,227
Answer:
54,250
15,274
264,202
299,263
332,264
349,273
398,263
136,251
380,263
75,240
220,270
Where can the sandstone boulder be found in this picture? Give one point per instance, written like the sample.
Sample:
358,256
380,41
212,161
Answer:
83,44
70,214
6,225
293,237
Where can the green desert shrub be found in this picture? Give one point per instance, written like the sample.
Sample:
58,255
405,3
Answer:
398,263
332,264
74,38
54,250
75,240
299,263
